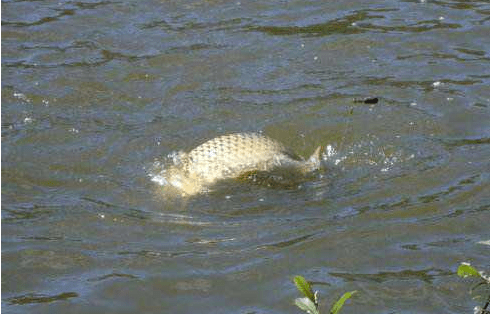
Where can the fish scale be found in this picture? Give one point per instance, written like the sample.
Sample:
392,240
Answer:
231,155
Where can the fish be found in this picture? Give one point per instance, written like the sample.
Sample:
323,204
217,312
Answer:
231,156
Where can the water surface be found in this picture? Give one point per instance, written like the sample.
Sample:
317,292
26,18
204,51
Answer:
96,95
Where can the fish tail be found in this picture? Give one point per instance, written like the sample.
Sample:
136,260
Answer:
313,163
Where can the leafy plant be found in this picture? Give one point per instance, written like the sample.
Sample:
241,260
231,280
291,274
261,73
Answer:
340,302
466,270
309,303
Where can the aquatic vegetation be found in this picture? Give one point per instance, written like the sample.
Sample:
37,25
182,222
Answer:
466,270
309,303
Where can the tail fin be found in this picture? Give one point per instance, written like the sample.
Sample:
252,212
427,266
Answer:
313,163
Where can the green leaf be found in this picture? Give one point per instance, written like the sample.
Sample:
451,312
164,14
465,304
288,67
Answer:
338,305
465,270
304,287
306,305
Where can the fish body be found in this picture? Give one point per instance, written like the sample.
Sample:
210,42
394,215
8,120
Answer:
232,155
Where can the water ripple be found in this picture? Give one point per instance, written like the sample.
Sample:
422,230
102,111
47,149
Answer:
47,19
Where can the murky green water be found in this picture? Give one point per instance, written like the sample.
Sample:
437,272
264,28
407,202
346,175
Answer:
95,94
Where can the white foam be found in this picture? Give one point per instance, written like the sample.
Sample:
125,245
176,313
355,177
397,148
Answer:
21,97
159,179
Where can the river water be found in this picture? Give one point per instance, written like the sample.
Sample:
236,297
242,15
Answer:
98,96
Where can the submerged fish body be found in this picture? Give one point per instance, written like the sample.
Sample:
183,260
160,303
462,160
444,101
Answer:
232,155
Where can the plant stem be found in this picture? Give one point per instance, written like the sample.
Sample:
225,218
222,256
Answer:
484,309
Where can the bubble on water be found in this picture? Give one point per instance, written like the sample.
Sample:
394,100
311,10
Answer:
339,160
487,242
157,173
21,96
330,151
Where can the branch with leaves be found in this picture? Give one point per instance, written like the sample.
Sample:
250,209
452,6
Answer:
466,270
309,303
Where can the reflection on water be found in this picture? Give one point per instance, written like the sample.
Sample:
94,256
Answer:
96,95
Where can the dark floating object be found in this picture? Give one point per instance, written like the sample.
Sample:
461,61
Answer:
371,100
32,298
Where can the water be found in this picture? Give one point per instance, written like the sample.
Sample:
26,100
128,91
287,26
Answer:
95,94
